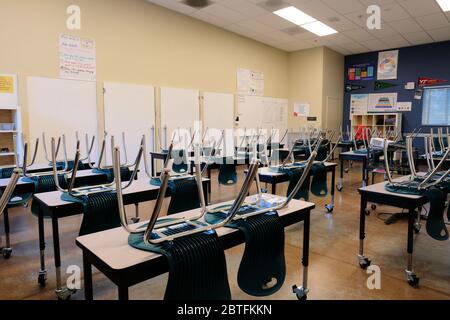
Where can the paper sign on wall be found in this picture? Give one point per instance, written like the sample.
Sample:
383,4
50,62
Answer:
387,65
410,86
301,109
404,106
358,104
382,102
250,82
77,60
6,84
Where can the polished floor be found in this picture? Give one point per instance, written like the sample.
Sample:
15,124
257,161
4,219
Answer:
334,271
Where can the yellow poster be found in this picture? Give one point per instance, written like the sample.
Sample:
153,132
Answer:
6,84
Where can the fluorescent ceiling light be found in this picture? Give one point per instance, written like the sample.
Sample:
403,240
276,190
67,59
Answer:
295,15
319,28
445,4
305,21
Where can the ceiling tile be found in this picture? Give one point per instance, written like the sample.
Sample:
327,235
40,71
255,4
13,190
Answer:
441,34
280,36
255,26
345,6
375,45
339,39
317,9
392,12
223,12
385,31
340,50
274,21
173,5
418,8
433,21
359,34
241,30
358,17
406,26
417,38
340,23
356,47
377,2
396,41
210,18
296,46
244,7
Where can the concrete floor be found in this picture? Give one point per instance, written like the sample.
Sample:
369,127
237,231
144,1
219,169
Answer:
334,271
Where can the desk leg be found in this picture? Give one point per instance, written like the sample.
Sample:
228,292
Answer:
302,292
341,173
274,188
205,191
63,293
42,272
330,206
411,277
364,173
123,293
153,165
88,288
6,251
364,262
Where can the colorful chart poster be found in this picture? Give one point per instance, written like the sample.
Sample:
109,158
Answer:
365,71
382,102
358,104
77,58
250,82
387,65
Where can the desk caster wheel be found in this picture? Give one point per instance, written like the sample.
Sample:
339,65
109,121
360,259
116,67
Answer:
6,252
301,293
65,294
329,208
413,280
135,220
367,212
264,190
417,228
339,188
364,263
373,207
42,278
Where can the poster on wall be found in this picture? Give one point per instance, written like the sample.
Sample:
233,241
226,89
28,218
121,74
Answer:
404,106
77,58
358,104
365,71
250,82
387,65
301,109
382,102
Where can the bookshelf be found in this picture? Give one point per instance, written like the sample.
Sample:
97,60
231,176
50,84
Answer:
384,122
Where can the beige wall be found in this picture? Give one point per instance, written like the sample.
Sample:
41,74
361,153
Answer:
138,42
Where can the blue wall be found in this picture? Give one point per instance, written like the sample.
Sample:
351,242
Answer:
431,60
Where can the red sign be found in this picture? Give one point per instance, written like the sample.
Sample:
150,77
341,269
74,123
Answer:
424,81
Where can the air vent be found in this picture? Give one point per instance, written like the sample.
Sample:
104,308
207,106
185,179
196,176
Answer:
273,5
293,31
198,4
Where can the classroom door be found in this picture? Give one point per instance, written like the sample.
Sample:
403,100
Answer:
333,113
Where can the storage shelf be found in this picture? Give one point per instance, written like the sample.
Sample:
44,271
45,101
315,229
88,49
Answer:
8,131
6,154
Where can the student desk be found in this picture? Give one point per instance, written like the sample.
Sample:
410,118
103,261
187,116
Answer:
50,205
84,177
352,156
378,194
274,178
125,266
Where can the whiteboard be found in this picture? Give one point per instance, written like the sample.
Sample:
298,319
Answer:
59,107
129,108
263,112
9,99
180,109
218,114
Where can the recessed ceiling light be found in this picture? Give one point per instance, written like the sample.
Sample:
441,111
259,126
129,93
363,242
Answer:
294,15
319,28
445,4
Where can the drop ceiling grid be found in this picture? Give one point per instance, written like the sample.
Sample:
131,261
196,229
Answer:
404,22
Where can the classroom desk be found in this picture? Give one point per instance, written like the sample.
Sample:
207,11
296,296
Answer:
156,156
377,193
274,178
50,205
352,156
84,177
125,266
